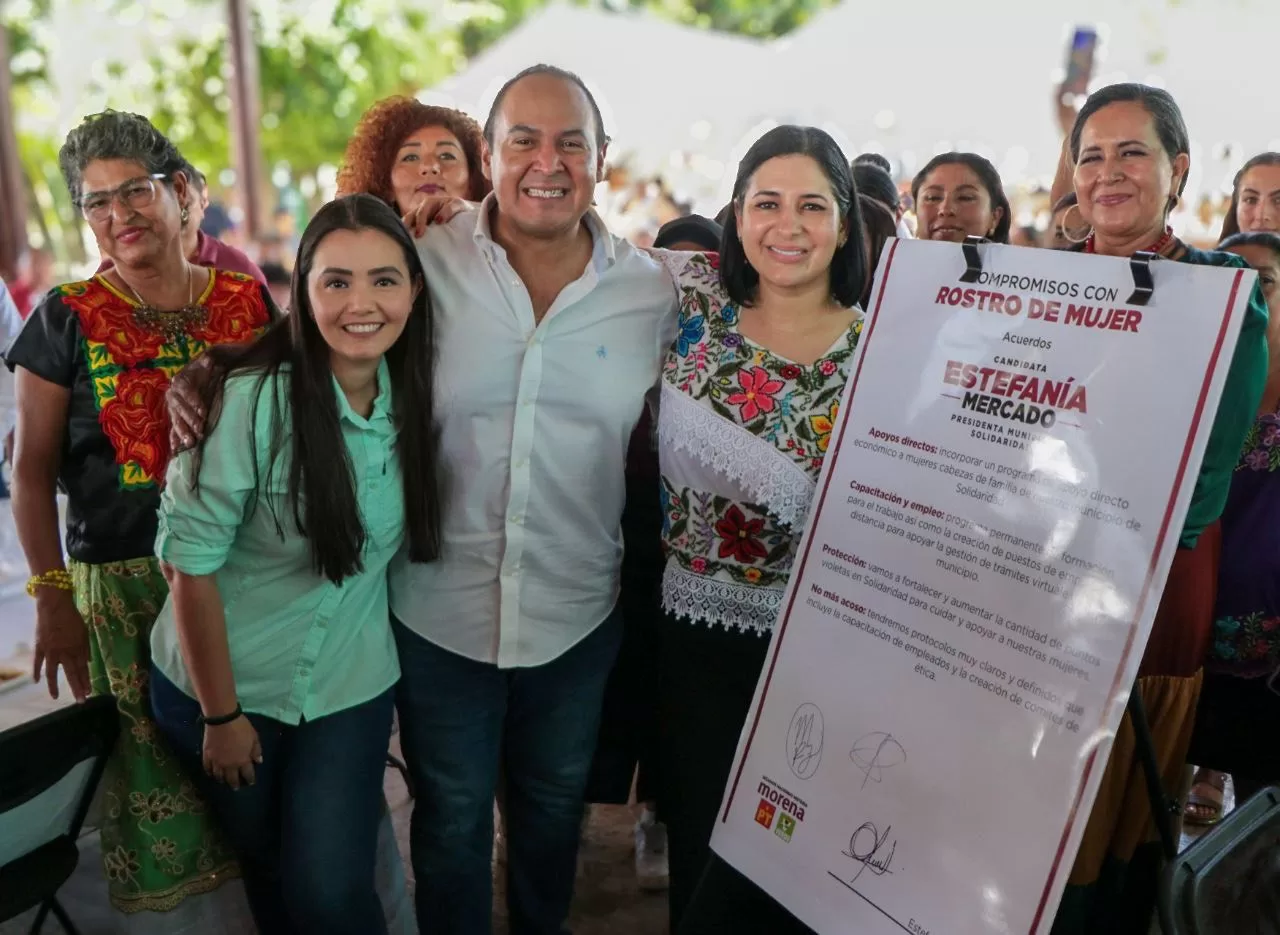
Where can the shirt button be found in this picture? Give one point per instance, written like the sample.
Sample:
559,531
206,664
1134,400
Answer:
517,518
521,462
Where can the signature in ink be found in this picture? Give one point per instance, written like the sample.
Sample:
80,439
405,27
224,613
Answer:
867,848
876,753
804,741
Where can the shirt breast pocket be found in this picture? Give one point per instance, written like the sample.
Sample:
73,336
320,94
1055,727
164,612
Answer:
386,530
382,510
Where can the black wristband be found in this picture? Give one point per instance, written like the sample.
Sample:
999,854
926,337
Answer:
219,721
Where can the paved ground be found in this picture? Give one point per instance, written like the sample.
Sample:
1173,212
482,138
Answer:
17,613
608,901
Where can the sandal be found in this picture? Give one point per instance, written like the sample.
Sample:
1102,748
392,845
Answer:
1204,803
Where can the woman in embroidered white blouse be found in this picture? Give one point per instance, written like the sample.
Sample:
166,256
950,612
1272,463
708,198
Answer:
749,398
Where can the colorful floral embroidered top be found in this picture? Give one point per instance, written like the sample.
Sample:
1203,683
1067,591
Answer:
1246,637
741,434
83,336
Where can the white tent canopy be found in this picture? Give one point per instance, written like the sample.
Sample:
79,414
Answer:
907,79
654,80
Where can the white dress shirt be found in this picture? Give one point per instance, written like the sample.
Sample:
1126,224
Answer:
534,422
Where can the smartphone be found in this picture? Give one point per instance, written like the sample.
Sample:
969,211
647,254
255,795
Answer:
1084,42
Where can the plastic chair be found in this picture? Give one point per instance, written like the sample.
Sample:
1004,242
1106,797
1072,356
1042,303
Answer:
49,770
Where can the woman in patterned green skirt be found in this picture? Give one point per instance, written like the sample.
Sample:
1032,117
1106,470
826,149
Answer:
93,363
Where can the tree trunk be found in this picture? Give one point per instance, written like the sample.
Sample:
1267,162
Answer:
245,115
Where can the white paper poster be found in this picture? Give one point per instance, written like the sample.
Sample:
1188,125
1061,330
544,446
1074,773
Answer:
984,556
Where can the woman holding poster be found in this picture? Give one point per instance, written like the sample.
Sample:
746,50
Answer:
1130,150
749,399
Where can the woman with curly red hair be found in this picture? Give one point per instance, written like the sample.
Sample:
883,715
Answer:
402,148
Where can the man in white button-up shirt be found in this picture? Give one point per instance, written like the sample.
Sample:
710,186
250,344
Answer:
550,333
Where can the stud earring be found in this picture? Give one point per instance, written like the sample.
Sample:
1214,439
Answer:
185,216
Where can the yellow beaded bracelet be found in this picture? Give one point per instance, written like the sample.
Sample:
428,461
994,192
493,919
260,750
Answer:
57,578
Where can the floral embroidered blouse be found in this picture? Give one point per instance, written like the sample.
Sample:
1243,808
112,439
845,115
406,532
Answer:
741,436
84,336
1246,626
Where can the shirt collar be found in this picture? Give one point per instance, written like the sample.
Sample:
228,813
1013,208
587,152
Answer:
381,403
603,251
206,249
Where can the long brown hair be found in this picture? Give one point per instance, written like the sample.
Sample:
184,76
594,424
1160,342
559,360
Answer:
1231,223
321,491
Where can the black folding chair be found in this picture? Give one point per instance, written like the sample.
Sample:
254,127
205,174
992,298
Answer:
49,770
1228,882
394,762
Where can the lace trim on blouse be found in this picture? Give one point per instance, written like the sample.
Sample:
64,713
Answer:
771,478
748,608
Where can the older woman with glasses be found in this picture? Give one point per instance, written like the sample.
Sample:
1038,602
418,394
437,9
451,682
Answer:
92,365
1131,154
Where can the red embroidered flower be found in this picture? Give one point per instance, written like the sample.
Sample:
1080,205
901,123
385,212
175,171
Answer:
757,393
236,313
739,537
109,321
790,372
827,367
136,422
699,565
713,259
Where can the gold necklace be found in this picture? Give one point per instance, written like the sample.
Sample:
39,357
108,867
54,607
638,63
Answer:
172,325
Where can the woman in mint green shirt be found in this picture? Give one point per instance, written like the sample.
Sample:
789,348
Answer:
273,659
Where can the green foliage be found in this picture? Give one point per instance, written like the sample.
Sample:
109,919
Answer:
758,18
318,69
27,24
56,219
321,63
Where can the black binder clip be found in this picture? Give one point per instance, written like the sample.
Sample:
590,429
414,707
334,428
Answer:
1143,284
972,259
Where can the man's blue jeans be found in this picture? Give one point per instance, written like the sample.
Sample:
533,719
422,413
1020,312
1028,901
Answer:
458,718
306,832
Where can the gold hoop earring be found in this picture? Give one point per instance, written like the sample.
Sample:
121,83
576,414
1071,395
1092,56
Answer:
1067,236
185,216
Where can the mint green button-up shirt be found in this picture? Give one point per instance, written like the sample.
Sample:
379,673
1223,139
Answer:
301,646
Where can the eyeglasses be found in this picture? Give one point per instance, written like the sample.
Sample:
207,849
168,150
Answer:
136,194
